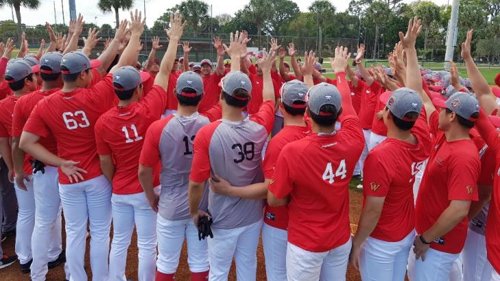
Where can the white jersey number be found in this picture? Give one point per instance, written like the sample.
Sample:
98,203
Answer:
127,136
329,175
70,119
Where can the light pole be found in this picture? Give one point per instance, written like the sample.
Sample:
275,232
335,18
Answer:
451,37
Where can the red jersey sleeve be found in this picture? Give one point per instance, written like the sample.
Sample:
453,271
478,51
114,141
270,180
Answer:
345,92
4,133
265,116
214,113
282,182
487,130
103,93
462,178
35,124
155,101
376,177
252,69
150,153
200,169
99,130
18,120
434,123
96,76
487,168
269,163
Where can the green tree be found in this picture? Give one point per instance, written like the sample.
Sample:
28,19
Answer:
324,11
30,4
488,48
428,12
115,5
258,13
194,12
283,12
377,15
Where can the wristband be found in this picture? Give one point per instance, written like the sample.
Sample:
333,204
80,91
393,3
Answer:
423,240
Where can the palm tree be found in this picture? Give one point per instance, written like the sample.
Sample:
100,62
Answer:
30,4
115,5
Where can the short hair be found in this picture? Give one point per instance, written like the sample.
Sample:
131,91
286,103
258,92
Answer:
73,76
402,124
293,110
18,85
48,76
239,99
188,101
124,94
327,119
468,124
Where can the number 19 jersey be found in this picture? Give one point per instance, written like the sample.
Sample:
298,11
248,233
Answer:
232,150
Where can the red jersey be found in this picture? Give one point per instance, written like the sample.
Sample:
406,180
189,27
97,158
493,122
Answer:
70,118
278,216
211,92
171,96
356,95
386,172
22,110
6,112
451,174
378,125
120,133
315,173
492,138
369,98
257,92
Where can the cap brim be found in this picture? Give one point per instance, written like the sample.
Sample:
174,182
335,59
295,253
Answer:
35,68
144,76
95,63
496,91
385,96
495,120
439,102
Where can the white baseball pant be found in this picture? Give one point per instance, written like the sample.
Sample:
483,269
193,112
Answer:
274,242
375,139
46,240
364,153
436,267
239,242
171,236
305,265
495,276
25,221
476,265
456,272
87,201
382,260
128,211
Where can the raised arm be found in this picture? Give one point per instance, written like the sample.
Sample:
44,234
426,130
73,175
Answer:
481,88
155,46
237,49
23,50
41,49
413,77
75,35
308,68
339,64
293,61
53,39
7,54
90,41
174,33
220,56
361,67
265,65
281,65
186,50
109,54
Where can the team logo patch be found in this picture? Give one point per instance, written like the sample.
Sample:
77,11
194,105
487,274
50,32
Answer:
374,186
455,103
469,189
391,101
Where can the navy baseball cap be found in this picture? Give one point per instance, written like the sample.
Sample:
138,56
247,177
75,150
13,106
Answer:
128,78
294,94
50,63
76,62
17,70
323,94
463,104
235,80
189,80
401,102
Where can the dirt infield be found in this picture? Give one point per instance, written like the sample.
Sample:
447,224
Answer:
13,272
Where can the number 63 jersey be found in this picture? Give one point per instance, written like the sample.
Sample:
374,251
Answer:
232,150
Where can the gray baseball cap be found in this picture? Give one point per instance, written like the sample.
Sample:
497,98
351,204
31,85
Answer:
128,78
76,62
401,102
463,104
235,80
189,80
17,70
205,61
50,63
323,94
292,92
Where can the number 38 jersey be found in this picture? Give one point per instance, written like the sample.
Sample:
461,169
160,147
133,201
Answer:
120,133
70,117
232,150
314,173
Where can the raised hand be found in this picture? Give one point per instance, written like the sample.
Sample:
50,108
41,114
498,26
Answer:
219,46
414,28
339,62
291,50
309,61
176,27
121,31
185,47
360,53
455,79
50,31
274,45
466,49
106,43
78,25
155,43
91,40
237,45
136,22
61,39
9,46
267,61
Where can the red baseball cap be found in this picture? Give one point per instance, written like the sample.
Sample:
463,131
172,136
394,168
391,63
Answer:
496,91
497,79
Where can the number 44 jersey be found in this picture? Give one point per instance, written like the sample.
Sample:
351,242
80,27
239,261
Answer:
232,151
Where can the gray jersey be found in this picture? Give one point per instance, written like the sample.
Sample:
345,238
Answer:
176,150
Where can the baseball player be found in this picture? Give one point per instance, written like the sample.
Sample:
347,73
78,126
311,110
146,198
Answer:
70,115
231,148
21,81
211,79
319,239
119,136
386,227
46,239
450,179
